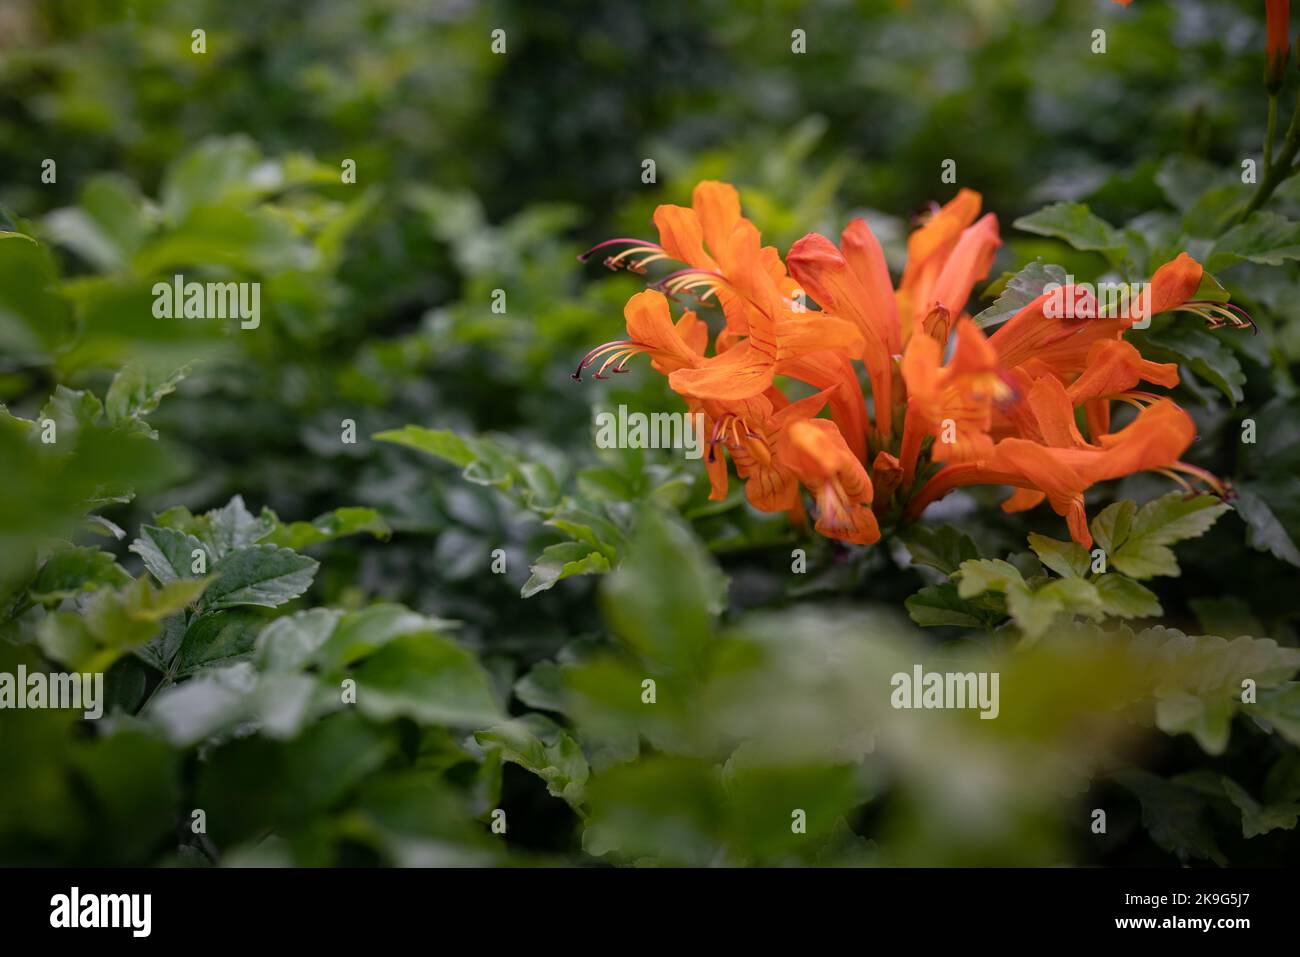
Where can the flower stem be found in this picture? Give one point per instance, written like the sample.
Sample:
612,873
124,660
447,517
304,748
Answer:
1276,172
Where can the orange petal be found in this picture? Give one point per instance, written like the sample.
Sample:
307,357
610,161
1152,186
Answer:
650,324
1115,366
1175,283
682,236
969,263
866,259
738,373
718,207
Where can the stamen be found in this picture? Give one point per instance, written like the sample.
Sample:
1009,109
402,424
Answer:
1211,481
1216,314
621,347
636,245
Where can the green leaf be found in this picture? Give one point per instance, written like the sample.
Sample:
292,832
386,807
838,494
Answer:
1122,597
1256,818
543,687
1020,290
1197,681
1280,707
1035,611
539,745
168,553
72,411
561,561
1136,540
34,319
987,574
70,571
1203,353
114,622
937,605
1077,225
233,526
330,526
137,390
1176,816
1067,559
1259,504
663,599
429,679
1265,238
108,224
215,638
288,643
942,547
259,575
360,633
440,443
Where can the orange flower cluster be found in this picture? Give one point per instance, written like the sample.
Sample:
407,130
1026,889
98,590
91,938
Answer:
1000,410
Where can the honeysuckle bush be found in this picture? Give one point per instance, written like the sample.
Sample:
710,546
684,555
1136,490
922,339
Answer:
304,638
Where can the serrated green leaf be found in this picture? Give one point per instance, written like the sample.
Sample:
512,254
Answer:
1256,818
169,554
259,575
328,527
429,679
1122,597
1067,559
1201,352
1259,503
70,571
1136,540
1280,707
1020,290
941,547
539,745
137,390
1076,224
937,605
1265,238
1175,816
561,561
216,638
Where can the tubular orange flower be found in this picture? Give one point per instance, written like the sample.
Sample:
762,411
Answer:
1000,411
752,433
1278,42
1062,344
840,485
959,394
928,250
1060,468
854,283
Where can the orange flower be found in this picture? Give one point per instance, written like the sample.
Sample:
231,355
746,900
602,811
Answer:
953,403
1060,466
945,259
1000,411
753,433
1278,43
1061,344
855,284
839,484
